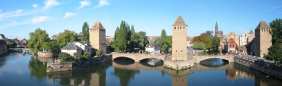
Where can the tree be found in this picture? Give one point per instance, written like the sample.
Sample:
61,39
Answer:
215,45
275,51
127,40
66,37
164,42
85,33
143,41
39,40
120,42
206,39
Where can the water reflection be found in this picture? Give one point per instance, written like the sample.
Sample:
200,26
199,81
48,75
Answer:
214,62
37,68
111,74
124,75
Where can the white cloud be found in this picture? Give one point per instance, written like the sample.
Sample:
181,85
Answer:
69,15
39,19
34,5
103,3
10,14
50,3
84,3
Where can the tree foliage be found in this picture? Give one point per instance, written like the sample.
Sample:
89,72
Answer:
275,51
164,42
206,42
127,40
85,33
205,39
66,37
39,40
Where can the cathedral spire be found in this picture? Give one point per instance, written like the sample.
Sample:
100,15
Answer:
216,28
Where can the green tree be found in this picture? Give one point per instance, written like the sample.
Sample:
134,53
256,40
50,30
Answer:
66,37
143,41
127,40
121,38
164,42
275,51
85,33
206,39
38,40
215,45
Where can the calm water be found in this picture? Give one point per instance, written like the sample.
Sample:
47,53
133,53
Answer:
23,70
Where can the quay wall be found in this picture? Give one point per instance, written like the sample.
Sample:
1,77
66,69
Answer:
264,67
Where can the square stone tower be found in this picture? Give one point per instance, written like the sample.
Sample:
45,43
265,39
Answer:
98,37
263,39
179,39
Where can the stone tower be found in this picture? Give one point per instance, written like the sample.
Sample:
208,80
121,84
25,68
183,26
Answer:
98,37
263,39
179,40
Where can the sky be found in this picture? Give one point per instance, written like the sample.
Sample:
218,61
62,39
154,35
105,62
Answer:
20,17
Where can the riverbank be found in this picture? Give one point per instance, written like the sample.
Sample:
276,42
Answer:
259,64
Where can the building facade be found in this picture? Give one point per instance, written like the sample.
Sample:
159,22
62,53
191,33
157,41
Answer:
263,39
243,39
98,37
179,40
232,42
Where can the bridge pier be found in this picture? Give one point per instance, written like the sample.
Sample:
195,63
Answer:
178,65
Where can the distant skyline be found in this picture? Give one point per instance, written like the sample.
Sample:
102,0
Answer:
19,18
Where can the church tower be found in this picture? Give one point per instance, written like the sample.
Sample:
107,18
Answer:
98,37
263,39
179,40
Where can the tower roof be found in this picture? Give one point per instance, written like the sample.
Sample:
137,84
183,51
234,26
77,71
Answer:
263,25
98,25
179,22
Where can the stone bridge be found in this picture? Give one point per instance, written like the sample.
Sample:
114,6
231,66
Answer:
137,57
139,66
198,59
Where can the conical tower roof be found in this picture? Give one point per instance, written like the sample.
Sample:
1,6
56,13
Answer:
98,25
179,22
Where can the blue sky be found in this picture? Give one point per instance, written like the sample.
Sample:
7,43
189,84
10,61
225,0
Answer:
18,18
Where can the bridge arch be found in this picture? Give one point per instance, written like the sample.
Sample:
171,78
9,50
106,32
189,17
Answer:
123,60
151,62
225,58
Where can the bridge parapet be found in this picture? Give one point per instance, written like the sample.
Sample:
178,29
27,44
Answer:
137,57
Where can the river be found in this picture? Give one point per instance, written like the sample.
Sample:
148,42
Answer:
23,70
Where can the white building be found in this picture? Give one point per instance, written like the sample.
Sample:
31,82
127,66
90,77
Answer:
243,39
72,49
152,49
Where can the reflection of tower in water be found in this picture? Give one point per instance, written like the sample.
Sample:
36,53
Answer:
179,81
178,78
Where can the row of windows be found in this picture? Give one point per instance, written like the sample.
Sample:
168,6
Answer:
179,27
180,51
